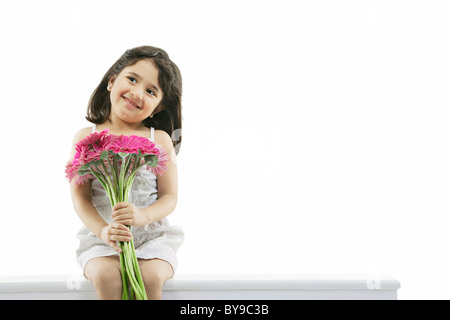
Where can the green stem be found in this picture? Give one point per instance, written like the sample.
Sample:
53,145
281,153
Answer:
124,277
129,184
105,185
106,173
129,160
123,172
113,170
137,271
127,269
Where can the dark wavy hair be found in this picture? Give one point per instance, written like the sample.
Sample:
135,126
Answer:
168,112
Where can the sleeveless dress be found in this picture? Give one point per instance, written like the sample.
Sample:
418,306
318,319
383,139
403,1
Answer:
156,240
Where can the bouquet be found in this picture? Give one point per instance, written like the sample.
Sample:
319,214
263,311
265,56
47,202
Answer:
114,161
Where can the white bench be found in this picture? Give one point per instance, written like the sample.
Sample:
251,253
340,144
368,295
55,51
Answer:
215,287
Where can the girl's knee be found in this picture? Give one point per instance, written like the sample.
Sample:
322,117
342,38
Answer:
155,273
107,279
154,280
154,283
104,274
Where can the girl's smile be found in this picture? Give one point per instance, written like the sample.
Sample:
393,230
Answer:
131,104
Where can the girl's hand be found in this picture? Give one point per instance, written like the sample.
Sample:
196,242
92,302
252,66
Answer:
115,232
127,214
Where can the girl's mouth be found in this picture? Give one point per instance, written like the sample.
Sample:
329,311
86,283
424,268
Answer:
130,103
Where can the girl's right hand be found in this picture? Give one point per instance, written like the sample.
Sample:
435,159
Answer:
115,232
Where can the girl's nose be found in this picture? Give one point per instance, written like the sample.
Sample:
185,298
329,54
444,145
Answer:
136,94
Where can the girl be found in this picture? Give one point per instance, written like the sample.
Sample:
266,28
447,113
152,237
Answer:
141,95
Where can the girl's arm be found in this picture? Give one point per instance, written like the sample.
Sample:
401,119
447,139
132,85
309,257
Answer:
127,214
81,198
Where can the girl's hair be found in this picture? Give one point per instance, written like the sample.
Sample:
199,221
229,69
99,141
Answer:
168,117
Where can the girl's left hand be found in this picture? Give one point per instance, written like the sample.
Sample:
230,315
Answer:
128,214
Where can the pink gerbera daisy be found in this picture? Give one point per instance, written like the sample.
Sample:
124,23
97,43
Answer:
71,170
161,167
126,144
93,138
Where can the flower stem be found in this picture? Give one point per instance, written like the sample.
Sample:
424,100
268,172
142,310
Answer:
101,178
124,275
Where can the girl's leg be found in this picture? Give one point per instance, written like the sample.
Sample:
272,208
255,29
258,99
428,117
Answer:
105,274
155,272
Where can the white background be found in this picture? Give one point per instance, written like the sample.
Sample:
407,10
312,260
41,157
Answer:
315,132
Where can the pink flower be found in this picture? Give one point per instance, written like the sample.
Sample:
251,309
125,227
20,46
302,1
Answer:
103,143
71,170
93,138
87,150
149,147
161,167
90,148
132,144
126,144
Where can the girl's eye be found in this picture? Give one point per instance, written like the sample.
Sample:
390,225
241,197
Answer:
151,92
132,79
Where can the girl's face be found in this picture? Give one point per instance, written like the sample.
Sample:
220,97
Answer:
135,92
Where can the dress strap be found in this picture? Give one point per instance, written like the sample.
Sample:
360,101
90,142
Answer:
152,134
94,127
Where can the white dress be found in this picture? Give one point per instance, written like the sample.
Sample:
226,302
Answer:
156,240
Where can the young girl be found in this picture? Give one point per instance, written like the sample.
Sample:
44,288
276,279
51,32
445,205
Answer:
141,95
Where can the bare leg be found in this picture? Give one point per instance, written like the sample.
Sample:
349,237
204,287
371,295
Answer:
105,274
155,272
